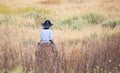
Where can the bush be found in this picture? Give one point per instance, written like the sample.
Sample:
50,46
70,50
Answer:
71,22
93,18
111,23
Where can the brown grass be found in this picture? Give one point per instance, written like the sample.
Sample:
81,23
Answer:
14,48
80,54
69,7
93,49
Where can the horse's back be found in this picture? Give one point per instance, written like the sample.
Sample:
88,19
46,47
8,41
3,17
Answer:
45,58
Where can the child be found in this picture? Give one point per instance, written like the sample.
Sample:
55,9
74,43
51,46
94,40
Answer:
46,33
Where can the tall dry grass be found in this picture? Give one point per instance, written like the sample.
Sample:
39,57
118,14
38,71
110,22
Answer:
93,49
81,54
16,48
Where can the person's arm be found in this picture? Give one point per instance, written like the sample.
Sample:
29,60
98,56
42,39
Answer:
51,37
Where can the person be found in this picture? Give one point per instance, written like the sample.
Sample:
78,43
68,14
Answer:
46,52
46,34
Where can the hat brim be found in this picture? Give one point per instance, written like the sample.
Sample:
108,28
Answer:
46,25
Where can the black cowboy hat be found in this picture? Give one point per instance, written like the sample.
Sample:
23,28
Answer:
47,24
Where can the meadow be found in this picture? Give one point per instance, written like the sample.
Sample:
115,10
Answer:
87,34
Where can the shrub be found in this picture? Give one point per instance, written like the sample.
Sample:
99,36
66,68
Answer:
93,18
71,22
111,23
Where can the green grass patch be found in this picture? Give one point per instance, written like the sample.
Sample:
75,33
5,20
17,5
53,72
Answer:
6,10
111,23
17,70
72,22
39,10
9,10
93,18
2,72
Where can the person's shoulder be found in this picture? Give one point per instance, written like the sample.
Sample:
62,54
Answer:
50,29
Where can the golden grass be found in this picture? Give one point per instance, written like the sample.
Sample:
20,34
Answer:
78,48
18,44
109,8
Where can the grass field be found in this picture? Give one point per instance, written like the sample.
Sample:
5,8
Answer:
87,34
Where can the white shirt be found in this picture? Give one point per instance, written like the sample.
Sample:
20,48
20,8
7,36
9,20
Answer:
46,35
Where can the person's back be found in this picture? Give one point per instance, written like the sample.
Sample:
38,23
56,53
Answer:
46,35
